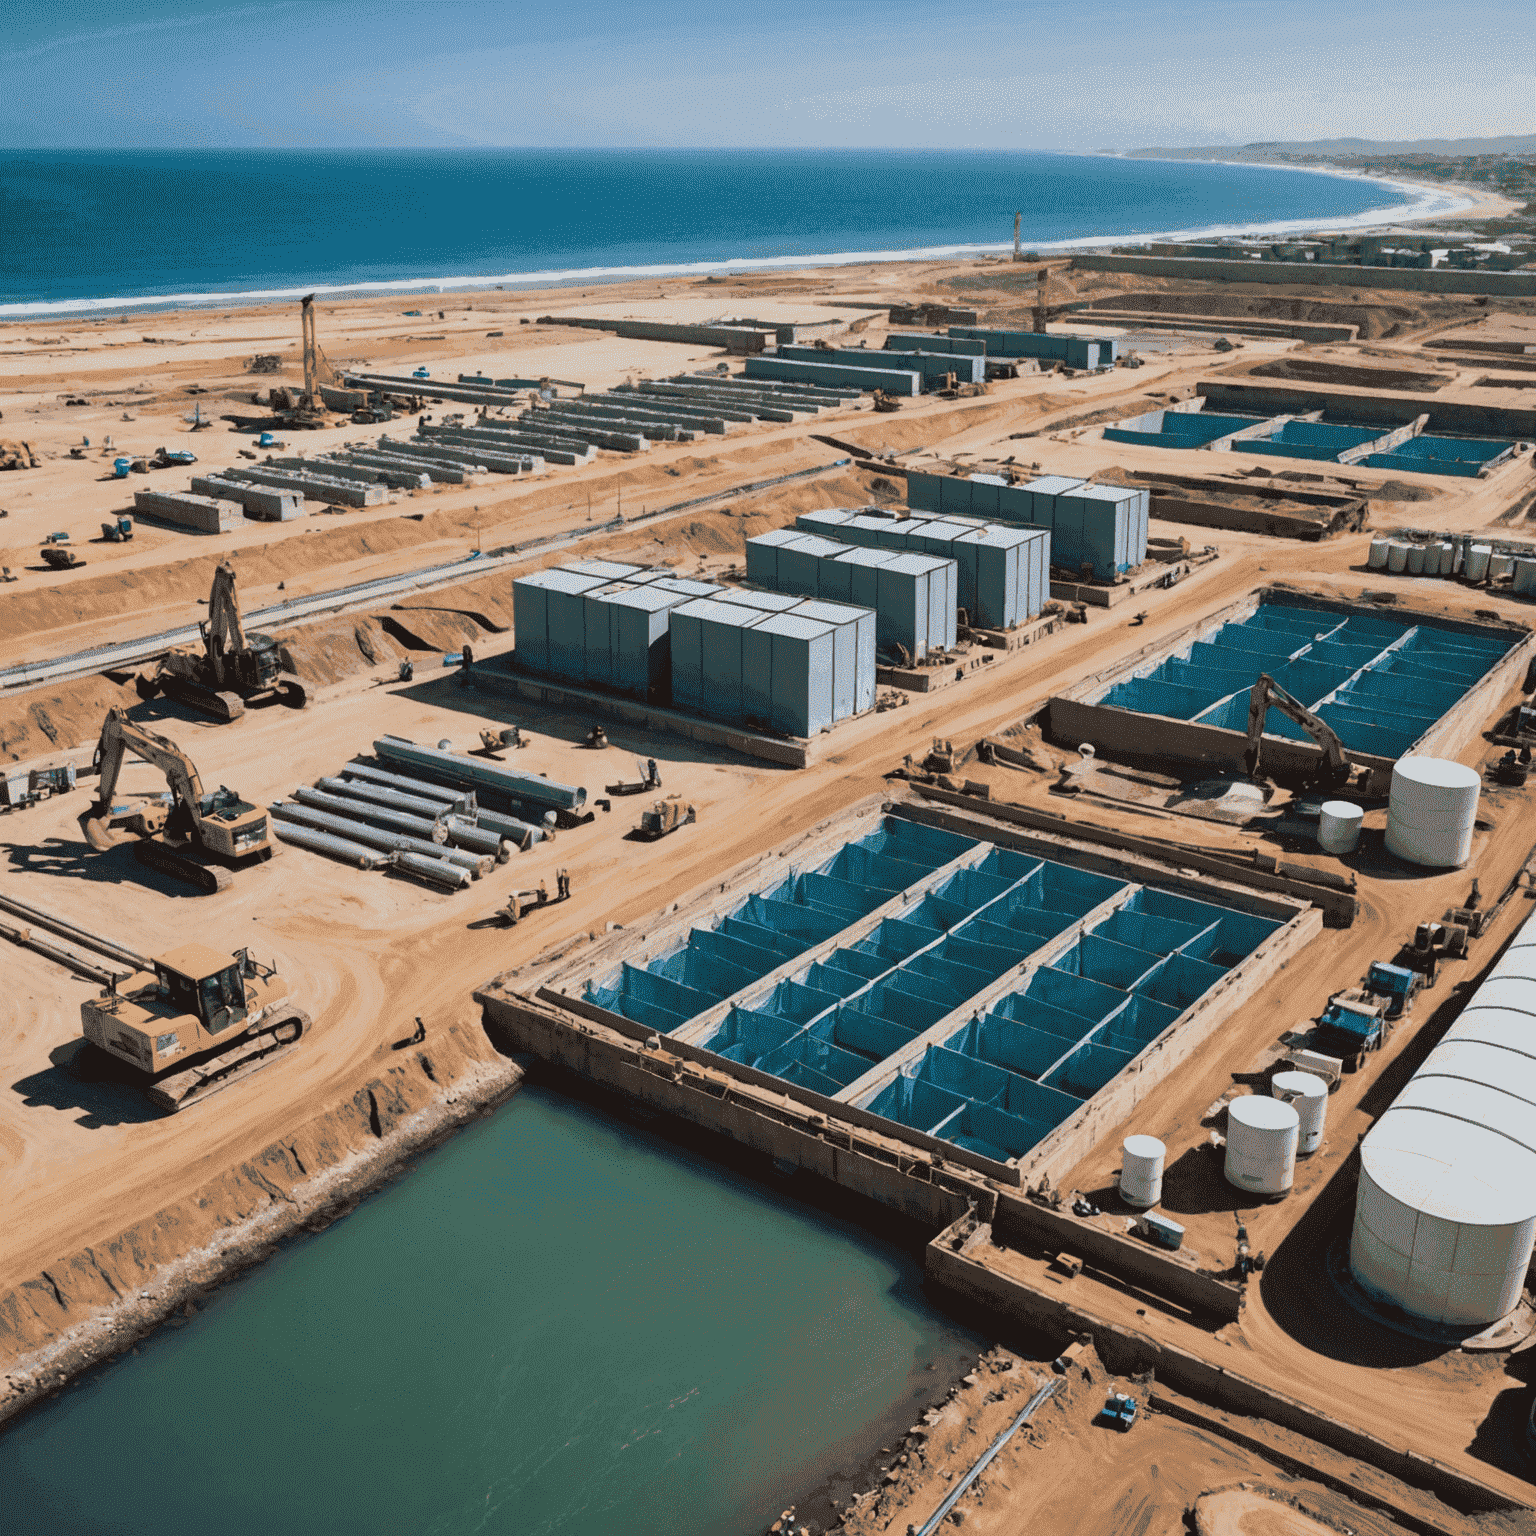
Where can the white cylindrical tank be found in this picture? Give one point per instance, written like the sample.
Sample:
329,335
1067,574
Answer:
1415,559
1397,556
1431,811
1478,556
1308,1095
1338,826
1377,559
1261,1145
1500,565
1458,555
1525,576
1447,558
1141,1170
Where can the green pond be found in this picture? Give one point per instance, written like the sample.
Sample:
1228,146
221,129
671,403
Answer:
561,1321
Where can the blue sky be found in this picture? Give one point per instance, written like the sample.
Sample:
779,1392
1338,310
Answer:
1037,74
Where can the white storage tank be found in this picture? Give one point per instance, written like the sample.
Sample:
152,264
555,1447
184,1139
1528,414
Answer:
1525,576
1478,556
1262,1135
1377,560
1141,1171
1447,558
1415,559
1500,565
1431,811
1397,556
1308,1096
1338,826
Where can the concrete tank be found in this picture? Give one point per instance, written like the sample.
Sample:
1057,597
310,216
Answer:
1525,576
1308,1095
1141,1170
1431,811
1262,1135
1447,558
1478,556
1415,559
1397,556
1338,826
1377,559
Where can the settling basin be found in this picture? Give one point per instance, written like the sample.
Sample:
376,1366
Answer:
561,1321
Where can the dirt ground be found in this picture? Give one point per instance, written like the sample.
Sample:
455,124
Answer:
366,953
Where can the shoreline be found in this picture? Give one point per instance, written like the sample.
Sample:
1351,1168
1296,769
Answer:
1427,202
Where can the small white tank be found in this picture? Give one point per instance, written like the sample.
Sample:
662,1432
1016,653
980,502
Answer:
1262,1134
1478,556
1431,811
1308,1095
1377,559
1338,826
1415,559
1525,576
1397,556
1447,560
1141,1170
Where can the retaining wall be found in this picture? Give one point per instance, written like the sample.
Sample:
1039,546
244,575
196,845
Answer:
1315,274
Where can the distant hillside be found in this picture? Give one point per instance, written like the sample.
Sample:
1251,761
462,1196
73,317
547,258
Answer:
1510,144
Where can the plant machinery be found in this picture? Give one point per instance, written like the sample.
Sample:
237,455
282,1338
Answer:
234,668
179,838
309,409
664,817
1334,770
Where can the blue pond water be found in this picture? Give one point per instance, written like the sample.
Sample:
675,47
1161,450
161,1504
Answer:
86,226
559,1322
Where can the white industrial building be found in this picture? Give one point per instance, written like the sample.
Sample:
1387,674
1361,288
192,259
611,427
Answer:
1445,1215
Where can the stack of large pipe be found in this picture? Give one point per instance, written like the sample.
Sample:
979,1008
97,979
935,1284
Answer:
510,784
326,842
459,802
476,864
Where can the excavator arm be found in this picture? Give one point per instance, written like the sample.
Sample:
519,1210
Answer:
1268,694
119,736
224,631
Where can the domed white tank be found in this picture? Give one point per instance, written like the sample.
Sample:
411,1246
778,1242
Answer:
1415,559
1431,811
1478,556
1141,1170
1338,826
1262,1135
1377,559
1308,1095
1397,556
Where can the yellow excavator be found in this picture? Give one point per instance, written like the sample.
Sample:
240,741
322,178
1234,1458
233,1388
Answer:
189,838
1334,769
236,667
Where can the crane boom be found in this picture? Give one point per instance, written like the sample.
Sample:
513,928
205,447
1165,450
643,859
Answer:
1267,694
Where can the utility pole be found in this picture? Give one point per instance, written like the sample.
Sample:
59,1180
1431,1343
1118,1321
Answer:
1018,253
1042,281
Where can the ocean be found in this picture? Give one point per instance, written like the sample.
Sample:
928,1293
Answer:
561,1321
89,231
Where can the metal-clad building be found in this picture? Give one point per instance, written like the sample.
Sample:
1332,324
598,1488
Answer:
686,586
761,602
882,371
609,570
825,520
1445,1211
597,634
853,654
763,554
799,563
530,612
1076,351
639,644
787,666
707,657
837,575
933,367
913,595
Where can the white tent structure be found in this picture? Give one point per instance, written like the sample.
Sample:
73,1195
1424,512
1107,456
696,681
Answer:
1445,1215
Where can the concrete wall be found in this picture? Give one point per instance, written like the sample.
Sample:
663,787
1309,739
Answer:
887,376
260,501
1438,280
1388,411
202,514
741,339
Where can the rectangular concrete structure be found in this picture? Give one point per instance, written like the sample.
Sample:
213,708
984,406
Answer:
787,664
203,514
267,503
1075,351
934,367
893,380
322,487
1312,273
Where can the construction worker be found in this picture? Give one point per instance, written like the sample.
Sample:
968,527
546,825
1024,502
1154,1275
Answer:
563,879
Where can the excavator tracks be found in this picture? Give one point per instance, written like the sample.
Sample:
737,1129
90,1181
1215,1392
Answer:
210,879
192,1084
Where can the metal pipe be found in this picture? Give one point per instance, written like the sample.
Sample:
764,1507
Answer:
378,794
523,833
438,871
76,963
361,810
325,842
112,951
377,837
462,801
465,834
468,772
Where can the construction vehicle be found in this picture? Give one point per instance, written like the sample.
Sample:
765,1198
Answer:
664,817
1160,1230
650,778
1352,1023
1432,943
1474,917
1120,1411
521,903
118,530
182,837
188,1023
178,1026
1396,983
885,403
1513,769
174,458
308,410
234,668
57,558
1334,770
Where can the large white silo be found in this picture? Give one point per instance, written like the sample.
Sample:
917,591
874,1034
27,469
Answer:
1431,811
1262,1136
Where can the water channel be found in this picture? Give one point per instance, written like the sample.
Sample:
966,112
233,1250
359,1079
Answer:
562,1321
